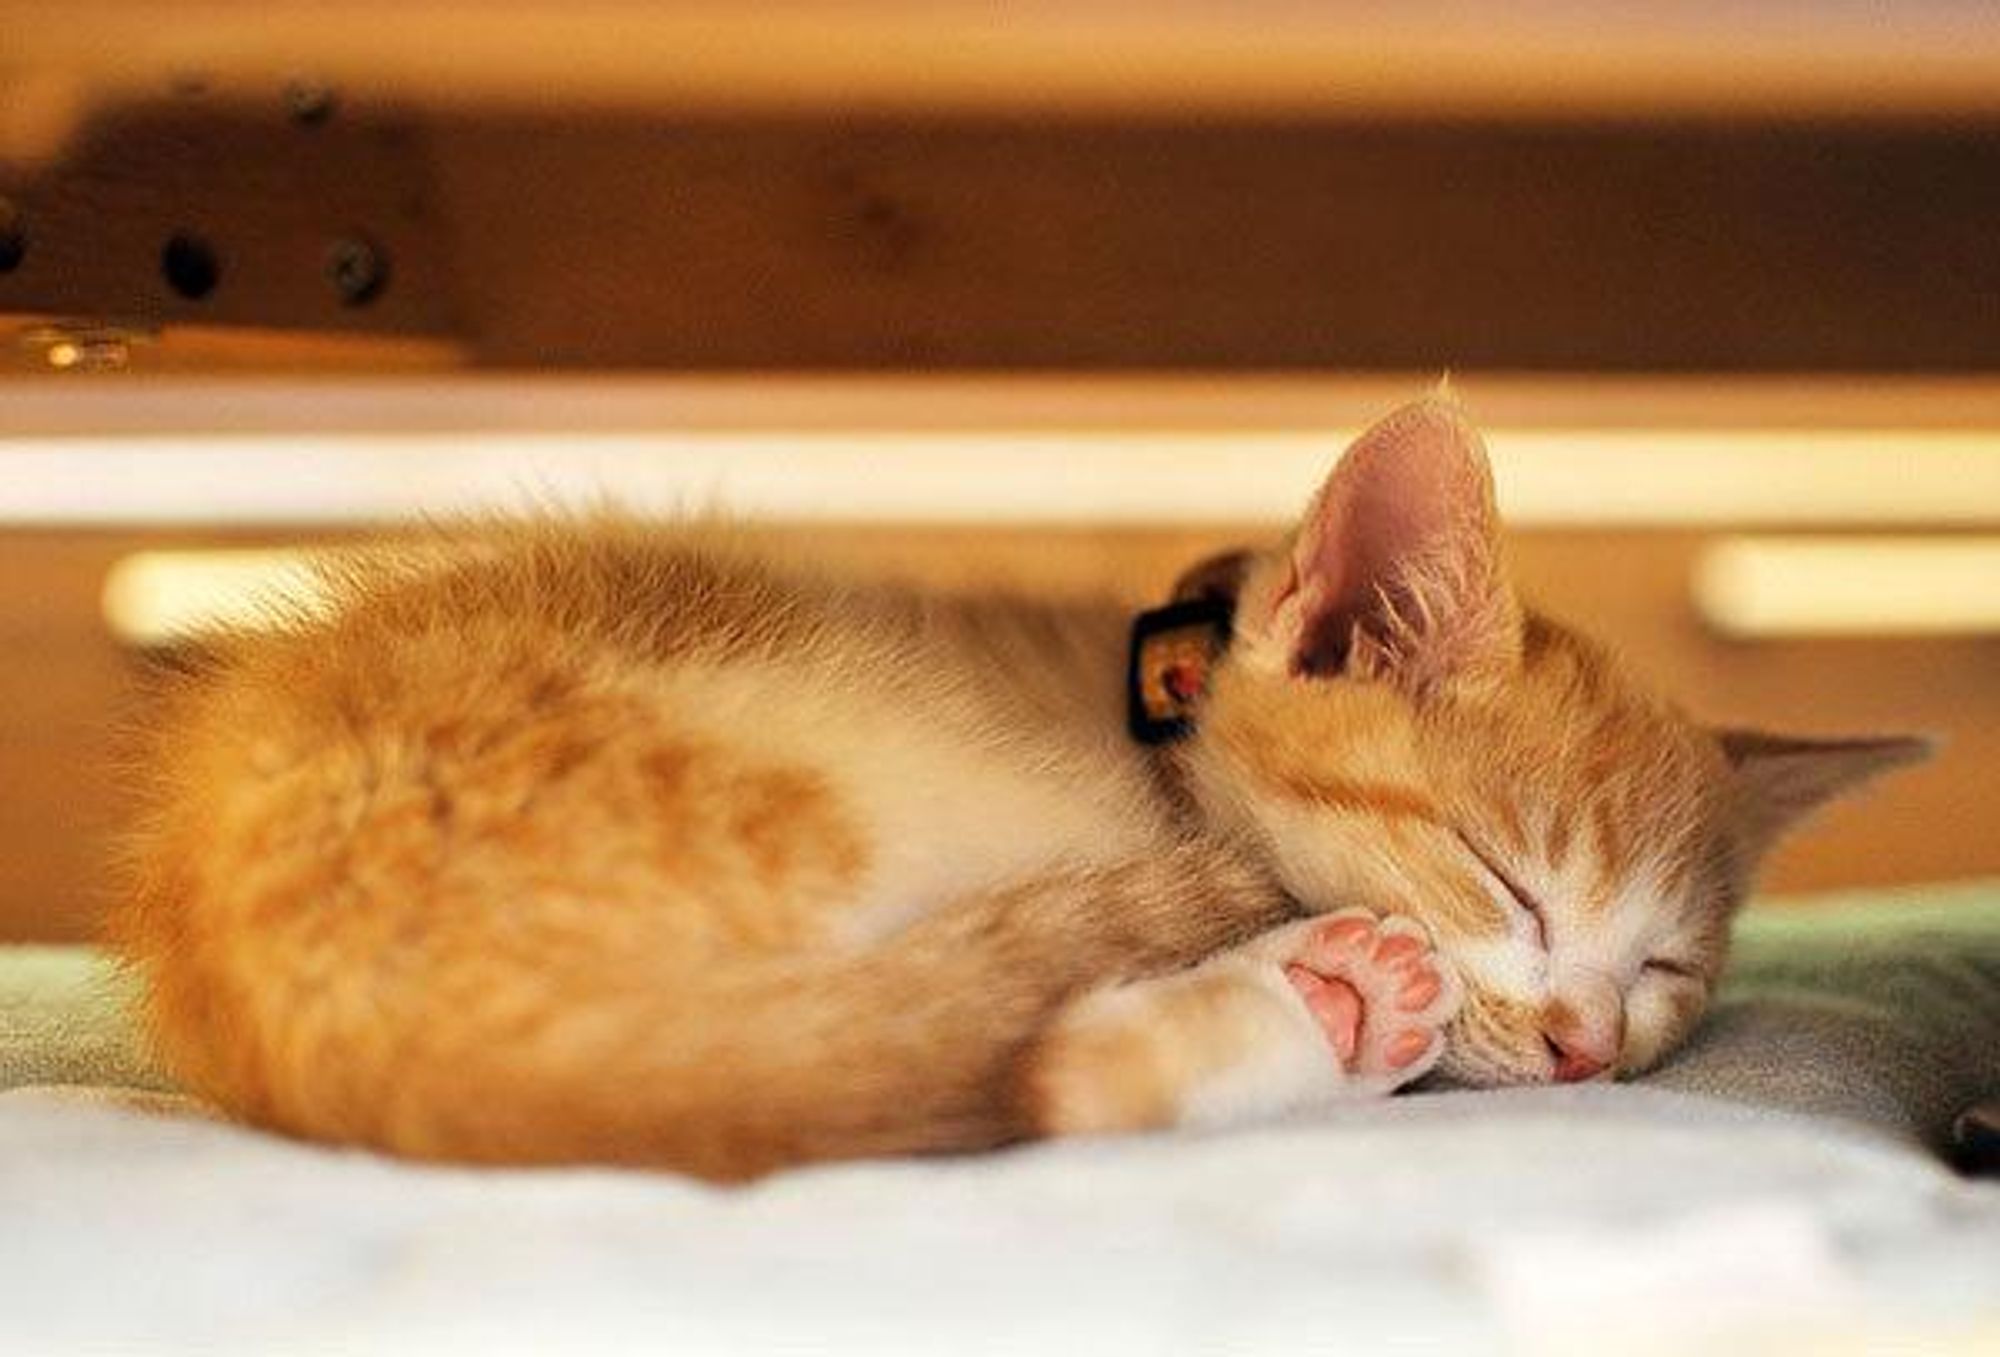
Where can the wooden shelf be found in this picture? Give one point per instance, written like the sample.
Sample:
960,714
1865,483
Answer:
1613,58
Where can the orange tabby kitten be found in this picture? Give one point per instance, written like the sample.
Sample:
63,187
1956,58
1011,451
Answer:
603,843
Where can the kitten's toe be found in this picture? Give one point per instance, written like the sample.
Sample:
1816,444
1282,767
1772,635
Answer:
1335,1005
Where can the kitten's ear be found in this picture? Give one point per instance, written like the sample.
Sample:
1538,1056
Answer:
1215,579
1780,779
1395,571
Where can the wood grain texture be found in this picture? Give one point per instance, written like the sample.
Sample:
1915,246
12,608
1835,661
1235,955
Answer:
859,244
847,242
60,700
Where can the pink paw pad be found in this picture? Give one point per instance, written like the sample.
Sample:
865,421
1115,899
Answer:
1335,1003
1378,992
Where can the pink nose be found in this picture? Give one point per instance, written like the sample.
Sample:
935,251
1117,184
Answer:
1573,1067
1582,1050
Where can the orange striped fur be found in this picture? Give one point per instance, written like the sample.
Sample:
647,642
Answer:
592,842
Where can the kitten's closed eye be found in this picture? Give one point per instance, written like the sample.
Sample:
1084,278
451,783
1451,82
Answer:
1523,899
1667,966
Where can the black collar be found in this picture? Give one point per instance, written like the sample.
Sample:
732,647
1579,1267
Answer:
1174,649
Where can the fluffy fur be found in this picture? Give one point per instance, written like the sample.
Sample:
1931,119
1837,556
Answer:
600,843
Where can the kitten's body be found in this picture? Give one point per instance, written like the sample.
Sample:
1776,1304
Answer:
612,844
594,843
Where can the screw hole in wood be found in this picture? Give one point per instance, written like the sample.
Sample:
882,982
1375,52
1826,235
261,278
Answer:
13,237
190,266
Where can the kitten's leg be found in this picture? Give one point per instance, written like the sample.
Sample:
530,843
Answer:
1338,1006
607,1051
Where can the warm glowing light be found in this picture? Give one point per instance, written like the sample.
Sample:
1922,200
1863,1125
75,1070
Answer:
154,598
1743,586
1606,477
1851,586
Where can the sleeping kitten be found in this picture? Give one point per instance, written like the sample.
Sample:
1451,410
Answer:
600,843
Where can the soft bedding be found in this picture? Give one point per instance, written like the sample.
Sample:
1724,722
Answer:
1775,1185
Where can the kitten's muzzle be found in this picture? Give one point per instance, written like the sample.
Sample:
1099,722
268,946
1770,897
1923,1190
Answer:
1583,1043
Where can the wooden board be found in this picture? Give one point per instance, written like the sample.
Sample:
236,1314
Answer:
978,242
1606,58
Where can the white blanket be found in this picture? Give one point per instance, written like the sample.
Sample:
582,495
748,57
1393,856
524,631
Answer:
1592,1219
1769,1191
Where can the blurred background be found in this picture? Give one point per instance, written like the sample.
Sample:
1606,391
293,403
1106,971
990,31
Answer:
1058,295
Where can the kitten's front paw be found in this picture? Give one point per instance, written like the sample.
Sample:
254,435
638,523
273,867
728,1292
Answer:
1377,989
1339,1006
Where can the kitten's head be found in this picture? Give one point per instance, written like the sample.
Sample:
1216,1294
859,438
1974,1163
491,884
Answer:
1391,728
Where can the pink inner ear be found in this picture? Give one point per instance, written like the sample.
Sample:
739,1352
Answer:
1412,492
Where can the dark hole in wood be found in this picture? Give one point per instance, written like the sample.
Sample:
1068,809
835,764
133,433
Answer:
309,103
190,266
13,237
358,268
